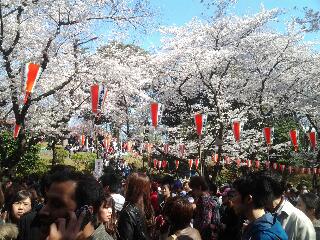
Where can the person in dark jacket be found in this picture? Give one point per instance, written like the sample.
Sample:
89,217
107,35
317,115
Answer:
136,218
252,195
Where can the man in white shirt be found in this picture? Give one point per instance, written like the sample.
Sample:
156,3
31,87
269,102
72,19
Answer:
296,224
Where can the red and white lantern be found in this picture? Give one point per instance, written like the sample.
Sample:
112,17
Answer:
282,167
238,162
159,164
190,163
294,134
182,149
275,166
268,132
164,164
215,157
16,130
290,169
302,170
155,163
166,148
82,139
227,160
199,120
315,170
154,109
249,163
236,128
32,73
267,163
312,138
177,164
98,97
107,142
257,164
196,163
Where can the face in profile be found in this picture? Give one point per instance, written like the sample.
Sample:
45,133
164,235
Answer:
165,190
238,204
21,207
105,213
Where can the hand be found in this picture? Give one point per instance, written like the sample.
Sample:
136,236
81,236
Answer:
59,230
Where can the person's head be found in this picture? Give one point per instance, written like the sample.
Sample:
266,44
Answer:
166,190
179,212
111,182
252,192
70,192
186,186
18,204
138,192
106,210
231,195
307,203
198,185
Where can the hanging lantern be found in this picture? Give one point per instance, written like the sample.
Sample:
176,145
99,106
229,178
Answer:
236,127
215,157
238,162
267,164
309,170
275,166
107,142
314,170
166,148
159,164
155,163
302,170
190,163
282,167
196,163
177,164
257,163
154,109
82,139
290,169
312,138
182,149
267,132
149,147
199,120
164,164
249,163
227,160
32,72
129,146
98,97
294,138
16,131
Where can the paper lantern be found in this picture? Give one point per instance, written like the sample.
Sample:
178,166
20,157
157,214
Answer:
275,166
302,170
154,109
257,163
267,132
107,142
215,157
290,169
32,73
164,164
199,120
159,164
177,164
309,170
249,163
83,139
294,138
196,163
313,140
129,146
98,97
190,163
236,127
282,167
314,170
166,148
227,160
155,163
238,162
182,149
267,163
16,131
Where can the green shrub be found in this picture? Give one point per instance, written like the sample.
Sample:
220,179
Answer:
62,154
84,160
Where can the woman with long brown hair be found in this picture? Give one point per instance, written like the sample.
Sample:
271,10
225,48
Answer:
107,216
136,218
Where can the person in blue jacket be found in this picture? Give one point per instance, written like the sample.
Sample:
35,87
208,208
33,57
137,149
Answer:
252,194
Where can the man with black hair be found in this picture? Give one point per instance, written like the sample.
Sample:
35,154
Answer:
296,224
111,183
251,196
69,193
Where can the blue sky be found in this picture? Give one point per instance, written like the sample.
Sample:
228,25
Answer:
179,12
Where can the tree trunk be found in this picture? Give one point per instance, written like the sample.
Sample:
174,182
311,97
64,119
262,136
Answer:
54,152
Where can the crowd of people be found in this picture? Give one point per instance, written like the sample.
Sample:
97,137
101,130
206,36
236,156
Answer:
67,205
